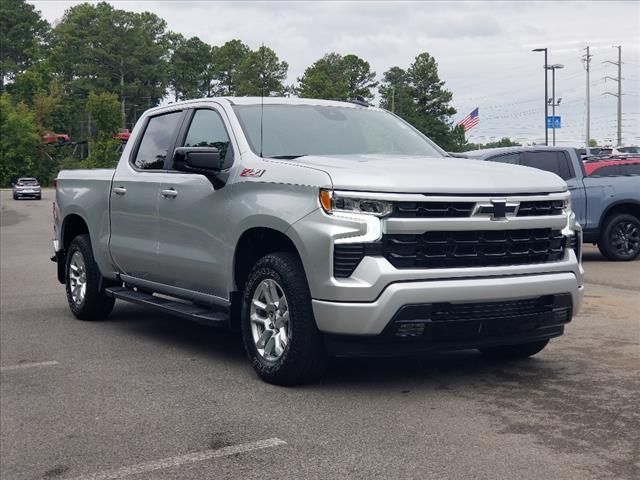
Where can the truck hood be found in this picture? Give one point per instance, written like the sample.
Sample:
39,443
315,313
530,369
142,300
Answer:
412,174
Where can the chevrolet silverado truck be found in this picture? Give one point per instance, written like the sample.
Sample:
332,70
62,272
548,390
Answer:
319,228
606,205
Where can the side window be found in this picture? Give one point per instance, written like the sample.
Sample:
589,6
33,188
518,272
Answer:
156,141
207,130
549,162
513,158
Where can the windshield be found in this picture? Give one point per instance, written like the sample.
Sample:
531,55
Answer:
27,181
295,130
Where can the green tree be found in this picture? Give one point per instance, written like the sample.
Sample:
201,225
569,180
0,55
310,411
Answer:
593,143
396,94
227,60
99,48
324,79
19,142
418,95
105,113
359,77
22,33
261,73
338,78
190,69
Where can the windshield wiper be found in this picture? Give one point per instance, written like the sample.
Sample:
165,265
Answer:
287,157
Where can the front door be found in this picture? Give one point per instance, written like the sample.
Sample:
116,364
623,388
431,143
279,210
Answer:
135,194
193,218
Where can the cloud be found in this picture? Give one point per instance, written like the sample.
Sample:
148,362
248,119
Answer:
483,49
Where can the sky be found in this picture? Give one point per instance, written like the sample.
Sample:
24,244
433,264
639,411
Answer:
483,50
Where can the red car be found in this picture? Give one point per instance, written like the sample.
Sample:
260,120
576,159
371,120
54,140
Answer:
122,135
608,167
60,138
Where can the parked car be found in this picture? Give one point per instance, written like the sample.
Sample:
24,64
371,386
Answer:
122,135
607,207
57,138
27,187
319,228
612,167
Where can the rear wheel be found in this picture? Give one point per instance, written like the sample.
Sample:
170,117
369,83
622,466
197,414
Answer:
82,281
278,328
514,352
620,237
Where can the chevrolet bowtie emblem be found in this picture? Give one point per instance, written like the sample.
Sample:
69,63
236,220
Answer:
497,210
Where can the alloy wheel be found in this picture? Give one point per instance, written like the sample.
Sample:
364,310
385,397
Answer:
269,315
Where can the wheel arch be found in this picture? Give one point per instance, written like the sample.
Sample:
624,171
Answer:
630,207
253,244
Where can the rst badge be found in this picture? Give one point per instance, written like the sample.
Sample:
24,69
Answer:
252,172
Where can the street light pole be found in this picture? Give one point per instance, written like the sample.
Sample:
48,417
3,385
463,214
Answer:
546,94
553,69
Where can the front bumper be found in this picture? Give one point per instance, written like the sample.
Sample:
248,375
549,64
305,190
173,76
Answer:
371,318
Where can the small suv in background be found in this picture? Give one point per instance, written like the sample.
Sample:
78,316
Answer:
27,187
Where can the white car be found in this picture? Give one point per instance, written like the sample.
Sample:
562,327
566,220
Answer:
27,187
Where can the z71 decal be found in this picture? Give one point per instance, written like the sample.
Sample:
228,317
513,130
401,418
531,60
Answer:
252,172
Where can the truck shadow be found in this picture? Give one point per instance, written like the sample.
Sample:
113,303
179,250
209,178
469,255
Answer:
222,345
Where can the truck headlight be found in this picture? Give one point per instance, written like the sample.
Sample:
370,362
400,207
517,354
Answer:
333,202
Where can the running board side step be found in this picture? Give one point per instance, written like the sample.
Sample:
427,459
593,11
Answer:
186,310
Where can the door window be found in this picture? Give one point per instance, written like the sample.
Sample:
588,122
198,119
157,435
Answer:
512,158
156,141
550,162
207,130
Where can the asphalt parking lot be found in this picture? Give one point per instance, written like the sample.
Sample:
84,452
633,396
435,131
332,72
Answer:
147,396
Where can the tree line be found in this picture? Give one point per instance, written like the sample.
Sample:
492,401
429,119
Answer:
100,67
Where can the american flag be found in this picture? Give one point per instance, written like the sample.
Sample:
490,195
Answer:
470,120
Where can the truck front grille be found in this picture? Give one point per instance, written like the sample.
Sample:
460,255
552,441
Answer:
528,208
461,249
544,208
433,209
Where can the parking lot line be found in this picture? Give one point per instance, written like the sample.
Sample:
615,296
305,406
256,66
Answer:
182,460
20,366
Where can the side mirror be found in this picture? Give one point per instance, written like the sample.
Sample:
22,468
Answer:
197,159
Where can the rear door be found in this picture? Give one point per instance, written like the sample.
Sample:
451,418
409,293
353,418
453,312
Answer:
193,218
134,243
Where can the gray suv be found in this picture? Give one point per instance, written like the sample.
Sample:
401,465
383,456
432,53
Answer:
319,228
27,187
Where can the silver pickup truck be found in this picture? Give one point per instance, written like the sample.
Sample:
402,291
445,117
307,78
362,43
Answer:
319,228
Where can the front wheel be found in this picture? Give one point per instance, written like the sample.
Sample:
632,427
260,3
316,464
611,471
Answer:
82,282
278,328
514,352
620,237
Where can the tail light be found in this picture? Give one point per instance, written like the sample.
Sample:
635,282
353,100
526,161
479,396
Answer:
55,183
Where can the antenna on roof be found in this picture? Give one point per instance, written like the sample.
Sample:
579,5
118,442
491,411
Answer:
261,94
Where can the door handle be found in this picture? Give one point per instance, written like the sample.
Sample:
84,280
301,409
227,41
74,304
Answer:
170,193
119,190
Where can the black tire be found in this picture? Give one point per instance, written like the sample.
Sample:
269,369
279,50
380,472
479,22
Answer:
514,352
303,359
15,197
39,197
620,237
95,305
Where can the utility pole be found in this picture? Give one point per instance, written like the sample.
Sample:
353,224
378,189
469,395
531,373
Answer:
619,94
393,99
122,106
552,100
587,60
